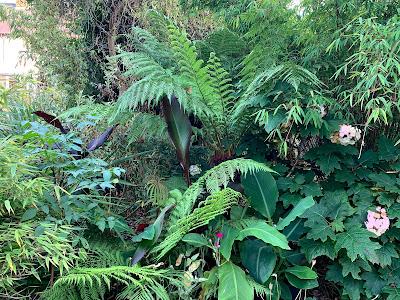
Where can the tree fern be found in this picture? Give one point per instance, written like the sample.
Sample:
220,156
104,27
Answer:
222,84
154,82
193,71
145,42
215,204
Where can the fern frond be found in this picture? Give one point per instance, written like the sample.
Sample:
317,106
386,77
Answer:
212,181
260,290
215,204
264,83
99,110
293,74
92,283
147,43
154,83
221,82
146,125
193,71
157,192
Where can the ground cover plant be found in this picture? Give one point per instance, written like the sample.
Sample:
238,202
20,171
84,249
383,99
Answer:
204,150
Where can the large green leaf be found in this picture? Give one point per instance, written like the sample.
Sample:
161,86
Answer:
297,211
149,236
262,191
195,239
264,232
233,284
302,272
179,130
259,258
230,234
301,283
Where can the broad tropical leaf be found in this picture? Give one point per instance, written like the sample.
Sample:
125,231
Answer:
101,139
297,211
149,236
302,272
52,120
264,232
262,191
179,130
233,284
195,239
259,258
230,234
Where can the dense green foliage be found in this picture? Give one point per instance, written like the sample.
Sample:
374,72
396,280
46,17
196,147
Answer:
203,150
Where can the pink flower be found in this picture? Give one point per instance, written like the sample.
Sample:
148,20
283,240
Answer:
345,130
348,135
219,235
216,244
377,222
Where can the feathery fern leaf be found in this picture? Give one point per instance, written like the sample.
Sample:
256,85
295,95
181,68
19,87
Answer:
92,283
193,71
215,204
212,181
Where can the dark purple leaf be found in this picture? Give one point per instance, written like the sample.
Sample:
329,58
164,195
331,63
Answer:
179,130
101,139
52,120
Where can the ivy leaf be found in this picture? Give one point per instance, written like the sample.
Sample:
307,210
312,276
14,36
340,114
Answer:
259,258
353,268
328,164
362,197
313,249
290,199
357,242
345,176
386,181
262,191
320,228
373,284
233,284
334,273
264,232
386,253
393,292
312,189
337,204
352,288
387,150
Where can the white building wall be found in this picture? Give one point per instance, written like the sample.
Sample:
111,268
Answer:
13,60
